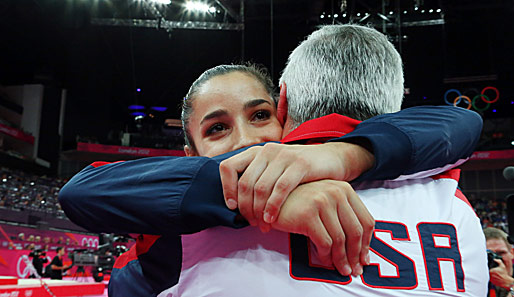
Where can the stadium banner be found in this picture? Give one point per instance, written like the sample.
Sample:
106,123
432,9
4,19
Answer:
18,263
490,155
18,134
127,150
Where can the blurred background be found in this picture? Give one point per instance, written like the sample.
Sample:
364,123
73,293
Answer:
88,80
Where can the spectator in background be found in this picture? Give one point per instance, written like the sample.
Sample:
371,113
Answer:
21,236
56,266
491,211
500,276
37,238
24,191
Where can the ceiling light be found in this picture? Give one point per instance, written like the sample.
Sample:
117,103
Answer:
197,6
383,17
165,2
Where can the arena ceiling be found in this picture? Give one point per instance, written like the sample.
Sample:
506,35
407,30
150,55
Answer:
103,51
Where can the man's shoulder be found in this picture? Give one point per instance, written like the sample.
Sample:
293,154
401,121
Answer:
329,126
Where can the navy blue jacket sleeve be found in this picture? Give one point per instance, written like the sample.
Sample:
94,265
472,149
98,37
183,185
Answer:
146,196
177,195
418,141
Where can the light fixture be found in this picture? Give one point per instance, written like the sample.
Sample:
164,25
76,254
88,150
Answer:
431,10
198,6
383,17
358,14
164,2
364,18
438,10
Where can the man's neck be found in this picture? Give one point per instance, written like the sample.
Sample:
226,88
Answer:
288,127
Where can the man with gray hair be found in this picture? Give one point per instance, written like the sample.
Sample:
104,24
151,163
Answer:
349,70
421,222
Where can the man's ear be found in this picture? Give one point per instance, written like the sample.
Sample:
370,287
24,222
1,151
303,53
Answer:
189,151
282,105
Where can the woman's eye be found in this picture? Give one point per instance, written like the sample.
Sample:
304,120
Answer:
215,128
262,115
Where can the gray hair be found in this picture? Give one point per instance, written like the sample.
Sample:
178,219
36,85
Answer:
346,69
256,71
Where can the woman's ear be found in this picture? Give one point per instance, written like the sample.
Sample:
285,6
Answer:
189,151
282,105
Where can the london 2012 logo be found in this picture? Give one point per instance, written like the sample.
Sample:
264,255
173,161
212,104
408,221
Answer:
24,267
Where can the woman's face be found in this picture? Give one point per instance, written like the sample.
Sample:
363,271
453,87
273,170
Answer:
231,111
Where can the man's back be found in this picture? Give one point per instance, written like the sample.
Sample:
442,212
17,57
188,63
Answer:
427,242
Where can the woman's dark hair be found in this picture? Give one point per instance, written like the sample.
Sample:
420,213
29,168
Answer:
258,72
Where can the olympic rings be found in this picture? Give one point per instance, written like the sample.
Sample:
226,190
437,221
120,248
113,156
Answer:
446,96
472,102
495,90
89,242
458,99
486,101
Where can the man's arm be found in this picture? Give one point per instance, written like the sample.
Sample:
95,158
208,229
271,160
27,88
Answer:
500,277
418,141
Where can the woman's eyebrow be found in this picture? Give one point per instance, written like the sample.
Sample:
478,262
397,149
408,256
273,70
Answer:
255,102
214,114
